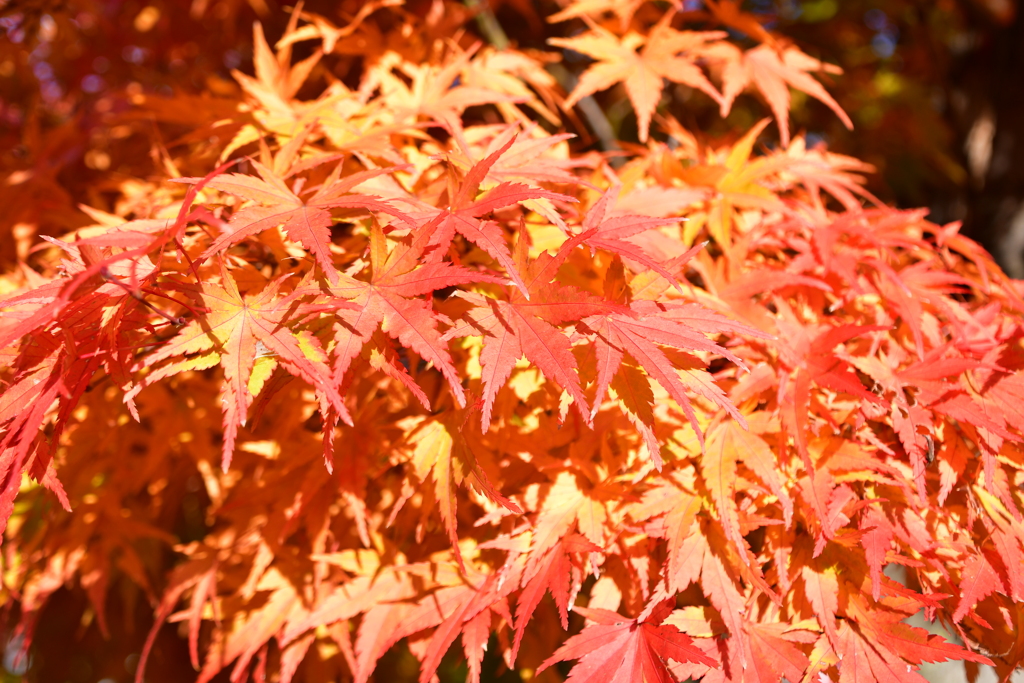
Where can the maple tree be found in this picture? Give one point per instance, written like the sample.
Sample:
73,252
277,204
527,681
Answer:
377,356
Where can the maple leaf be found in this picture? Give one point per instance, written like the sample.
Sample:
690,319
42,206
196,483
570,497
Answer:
521,326
664,53
231,334
821,588
251,635
610,233
434,91
684,562
776,651
395,610
360,594
819,169
615,649
277,81
442,451
718,469
720,588
46,375
911,643
863,661
563,502
910,420
877,539
393,300
465,619
433,454
554,572
740,181
69,340
374,638
274,88
978,581
640,335
521,76
632,388
305,221
464,212
773,70
808,353
530,159
200,575
639,331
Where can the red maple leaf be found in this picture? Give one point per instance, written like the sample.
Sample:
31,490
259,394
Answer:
620,650
306,221
465,212
611,233
639,331
393,299
554,572
521,326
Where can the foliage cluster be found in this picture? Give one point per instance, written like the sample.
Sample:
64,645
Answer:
417,360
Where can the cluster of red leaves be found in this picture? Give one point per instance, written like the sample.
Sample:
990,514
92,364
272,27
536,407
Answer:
703,399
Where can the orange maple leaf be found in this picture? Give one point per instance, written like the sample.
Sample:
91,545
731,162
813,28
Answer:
234,331
772,71
665,53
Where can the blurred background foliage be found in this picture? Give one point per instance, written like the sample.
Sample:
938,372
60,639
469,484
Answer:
98,101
